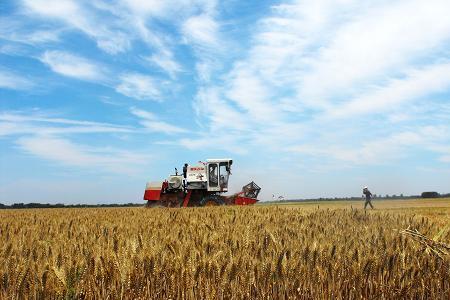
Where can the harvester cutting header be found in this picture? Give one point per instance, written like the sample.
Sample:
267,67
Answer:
199,185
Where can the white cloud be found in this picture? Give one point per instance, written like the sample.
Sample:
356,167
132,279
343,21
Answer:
51,138
10,80
415,85
442,148
307,62
143,114
40,36
11,49
14,123
324,79
330,49
165,61
169,9
378,39
164,127
383,150
114,26
72,65
139,86
150,7
249,92
202,31
221,115
68,153
109,38
17,31
152,123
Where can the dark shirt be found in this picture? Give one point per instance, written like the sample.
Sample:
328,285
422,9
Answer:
368,194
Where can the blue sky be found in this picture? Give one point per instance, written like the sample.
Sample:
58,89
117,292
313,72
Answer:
310,98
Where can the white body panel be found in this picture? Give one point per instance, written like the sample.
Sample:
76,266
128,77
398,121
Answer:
196,173
154,185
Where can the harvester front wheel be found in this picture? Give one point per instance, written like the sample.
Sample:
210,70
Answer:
212,200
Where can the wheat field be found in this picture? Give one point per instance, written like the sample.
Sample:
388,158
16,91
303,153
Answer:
259,252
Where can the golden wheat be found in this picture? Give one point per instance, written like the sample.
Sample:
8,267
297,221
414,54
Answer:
218,253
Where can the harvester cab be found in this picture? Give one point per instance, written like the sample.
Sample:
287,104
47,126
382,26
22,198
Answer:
199,185
218,172
211,175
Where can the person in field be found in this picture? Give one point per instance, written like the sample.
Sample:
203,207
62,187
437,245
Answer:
368,195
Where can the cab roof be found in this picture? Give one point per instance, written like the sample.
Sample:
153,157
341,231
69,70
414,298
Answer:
219,160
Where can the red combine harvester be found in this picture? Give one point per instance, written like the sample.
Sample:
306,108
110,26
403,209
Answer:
199,185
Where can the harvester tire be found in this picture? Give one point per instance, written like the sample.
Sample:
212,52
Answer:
212,200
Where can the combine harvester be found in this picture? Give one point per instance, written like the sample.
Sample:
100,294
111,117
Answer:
199,185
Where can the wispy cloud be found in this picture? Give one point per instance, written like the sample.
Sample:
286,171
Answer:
134,85
72,65
75,15
144,8
11,80
115,26
375,40
66,152
320,85
165,61
309,63
249,92
383,150
139,86
414,85
19,123
152,123
52,138
220,114
202,31
13,30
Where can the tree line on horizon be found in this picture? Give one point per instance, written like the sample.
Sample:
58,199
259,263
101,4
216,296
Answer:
424,195
62,205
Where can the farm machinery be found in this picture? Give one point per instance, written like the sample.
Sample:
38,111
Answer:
199,185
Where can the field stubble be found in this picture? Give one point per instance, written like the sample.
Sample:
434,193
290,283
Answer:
225,252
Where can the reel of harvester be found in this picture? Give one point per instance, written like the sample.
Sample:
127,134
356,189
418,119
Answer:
248,195
251,190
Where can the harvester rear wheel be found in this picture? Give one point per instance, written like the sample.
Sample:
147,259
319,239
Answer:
212,200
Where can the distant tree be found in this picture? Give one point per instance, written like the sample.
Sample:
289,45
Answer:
430,195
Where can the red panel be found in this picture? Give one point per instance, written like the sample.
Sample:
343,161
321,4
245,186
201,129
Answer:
152,194
186,198
244,200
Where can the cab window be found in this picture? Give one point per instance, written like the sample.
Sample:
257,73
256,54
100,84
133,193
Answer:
224,175
213,172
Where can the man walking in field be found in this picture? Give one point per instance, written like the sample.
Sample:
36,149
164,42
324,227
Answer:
368,196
